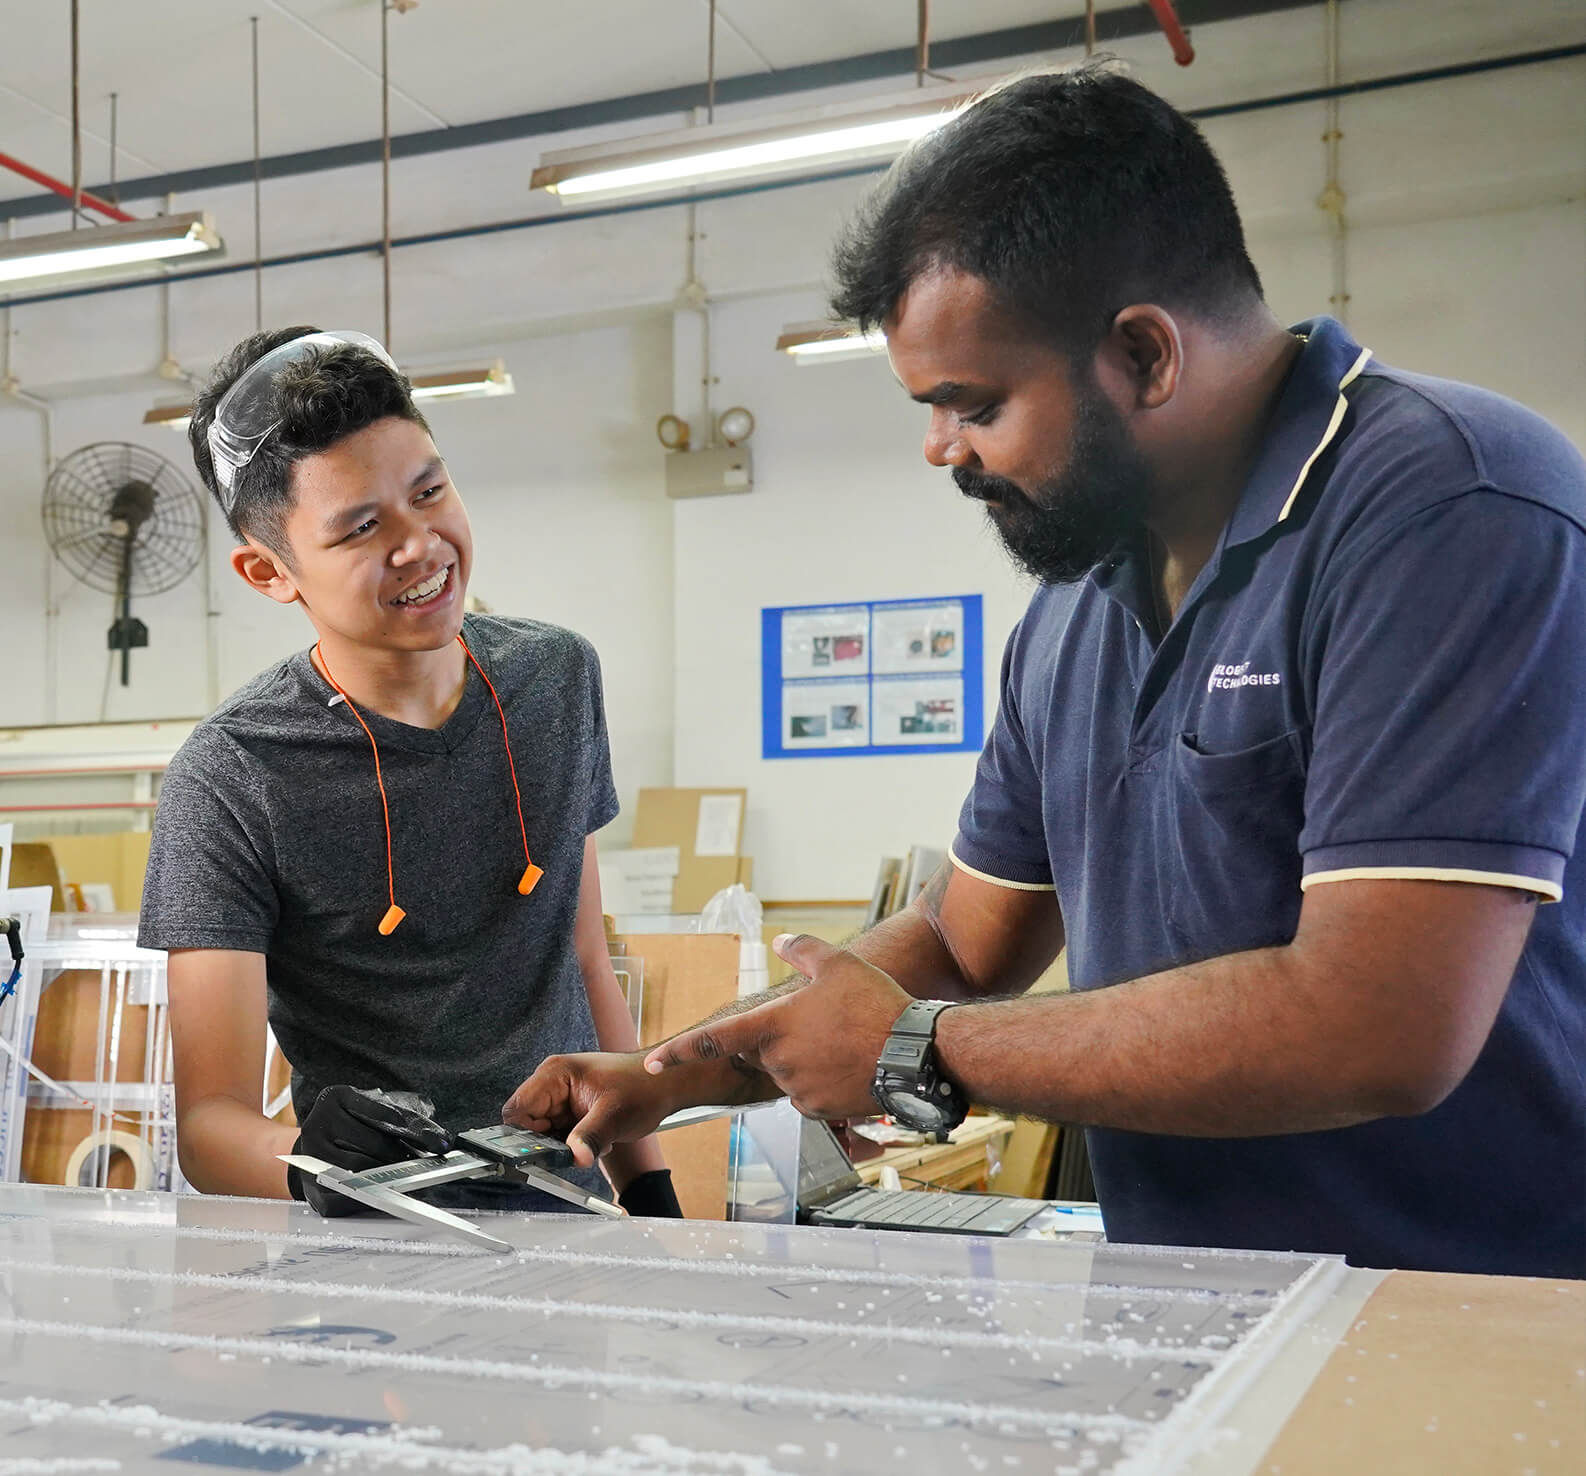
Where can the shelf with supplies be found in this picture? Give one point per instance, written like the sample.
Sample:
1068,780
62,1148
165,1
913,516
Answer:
966,1161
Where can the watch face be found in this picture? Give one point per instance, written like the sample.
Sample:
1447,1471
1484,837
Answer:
925,1117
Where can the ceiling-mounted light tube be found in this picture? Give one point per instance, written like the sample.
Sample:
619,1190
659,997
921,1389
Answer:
717,153
105,251
826,343
462,384
453,384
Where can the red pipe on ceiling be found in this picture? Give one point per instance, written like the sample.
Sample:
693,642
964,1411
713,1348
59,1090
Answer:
1167,18
93,202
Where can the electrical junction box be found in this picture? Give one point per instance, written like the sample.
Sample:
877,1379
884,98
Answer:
712,472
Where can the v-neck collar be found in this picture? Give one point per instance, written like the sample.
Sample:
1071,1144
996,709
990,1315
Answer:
388,731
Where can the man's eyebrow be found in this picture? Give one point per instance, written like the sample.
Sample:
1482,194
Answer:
942,394
350,516
428,474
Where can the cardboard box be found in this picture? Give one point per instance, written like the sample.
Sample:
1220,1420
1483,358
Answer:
688,976
118,859
706,826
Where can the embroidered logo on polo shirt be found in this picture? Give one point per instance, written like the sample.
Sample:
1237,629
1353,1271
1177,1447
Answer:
1225,678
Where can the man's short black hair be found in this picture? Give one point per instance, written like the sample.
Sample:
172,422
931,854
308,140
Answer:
330,393
1071,194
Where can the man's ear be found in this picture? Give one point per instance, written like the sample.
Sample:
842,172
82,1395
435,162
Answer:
266,572
1144,349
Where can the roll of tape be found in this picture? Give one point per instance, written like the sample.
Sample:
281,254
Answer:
83,1167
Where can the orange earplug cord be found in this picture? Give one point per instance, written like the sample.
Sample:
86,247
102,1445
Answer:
531,873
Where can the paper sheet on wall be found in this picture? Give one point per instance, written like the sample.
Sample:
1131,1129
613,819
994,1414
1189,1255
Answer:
720,825
826,643
825,714
918,638
919,711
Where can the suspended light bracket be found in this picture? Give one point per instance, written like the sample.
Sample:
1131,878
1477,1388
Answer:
105,251
678,161
826,343
172,417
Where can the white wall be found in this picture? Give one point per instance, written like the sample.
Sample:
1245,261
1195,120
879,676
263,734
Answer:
1466,257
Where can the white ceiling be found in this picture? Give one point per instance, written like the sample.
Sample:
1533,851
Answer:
181,68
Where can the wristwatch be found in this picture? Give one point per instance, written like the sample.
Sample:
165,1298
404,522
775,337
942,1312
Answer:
909,1083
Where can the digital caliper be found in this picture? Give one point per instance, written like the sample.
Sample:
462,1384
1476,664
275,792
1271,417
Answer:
504,1155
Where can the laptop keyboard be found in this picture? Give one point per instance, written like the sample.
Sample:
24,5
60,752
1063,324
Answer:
909,1209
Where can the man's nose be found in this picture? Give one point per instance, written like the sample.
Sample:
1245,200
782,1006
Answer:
417,540
945,444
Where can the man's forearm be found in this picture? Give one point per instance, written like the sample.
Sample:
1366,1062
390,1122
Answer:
229,1148
1245,1045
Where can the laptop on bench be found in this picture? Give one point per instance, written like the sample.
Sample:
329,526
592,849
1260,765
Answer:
831,1192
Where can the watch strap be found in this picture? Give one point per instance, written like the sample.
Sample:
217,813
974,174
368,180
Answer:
919,1017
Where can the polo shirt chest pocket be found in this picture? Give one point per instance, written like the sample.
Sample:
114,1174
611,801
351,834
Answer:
1231,825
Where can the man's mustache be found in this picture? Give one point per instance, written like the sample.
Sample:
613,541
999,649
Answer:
986,489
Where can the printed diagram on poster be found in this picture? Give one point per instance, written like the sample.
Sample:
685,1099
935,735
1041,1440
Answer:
910,640
826,643
825,714
921,711
878,677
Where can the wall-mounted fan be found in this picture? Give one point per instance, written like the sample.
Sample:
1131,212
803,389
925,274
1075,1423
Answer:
124,521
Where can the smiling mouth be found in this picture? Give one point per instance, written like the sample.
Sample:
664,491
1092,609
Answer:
427,592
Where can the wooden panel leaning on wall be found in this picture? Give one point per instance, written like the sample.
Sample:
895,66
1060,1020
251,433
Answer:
686,977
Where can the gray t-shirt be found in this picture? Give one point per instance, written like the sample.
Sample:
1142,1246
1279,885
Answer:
269,839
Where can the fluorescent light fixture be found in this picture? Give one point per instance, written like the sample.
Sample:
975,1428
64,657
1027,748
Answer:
453,384
172,417
825,343
718,152
463,384
105,251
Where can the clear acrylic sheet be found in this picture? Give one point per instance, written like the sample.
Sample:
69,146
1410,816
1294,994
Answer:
138,1329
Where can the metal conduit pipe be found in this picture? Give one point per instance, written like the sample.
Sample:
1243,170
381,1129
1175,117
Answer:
60,187
728,192
1167,18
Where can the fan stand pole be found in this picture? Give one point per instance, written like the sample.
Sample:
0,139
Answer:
125,623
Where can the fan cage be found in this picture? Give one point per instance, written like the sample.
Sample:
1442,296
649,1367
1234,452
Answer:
77,522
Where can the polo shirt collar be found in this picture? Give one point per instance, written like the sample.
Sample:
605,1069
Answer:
1307,420
1309,414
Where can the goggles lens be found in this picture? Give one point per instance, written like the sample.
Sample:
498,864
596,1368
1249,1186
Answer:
247,417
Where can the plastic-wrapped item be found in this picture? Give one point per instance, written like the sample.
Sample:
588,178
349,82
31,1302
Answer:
735,909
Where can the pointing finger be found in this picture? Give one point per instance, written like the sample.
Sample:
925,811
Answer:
736,1035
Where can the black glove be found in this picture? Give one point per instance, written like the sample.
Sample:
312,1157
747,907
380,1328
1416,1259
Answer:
651,1195
358,1130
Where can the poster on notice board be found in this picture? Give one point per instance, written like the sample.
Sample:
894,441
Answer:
872,677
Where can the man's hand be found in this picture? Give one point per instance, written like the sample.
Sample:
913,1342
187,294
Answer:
594,1099
819,1044
361,1130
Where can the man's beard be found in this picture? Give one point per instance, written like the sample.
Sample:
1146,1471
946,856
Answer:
1074,521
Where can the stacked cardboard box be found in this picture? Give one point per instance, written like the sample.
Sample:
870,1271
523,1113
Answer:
705,827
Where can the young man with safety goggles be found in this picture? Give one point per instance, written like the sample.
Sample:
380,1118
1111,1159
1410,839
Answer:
384,844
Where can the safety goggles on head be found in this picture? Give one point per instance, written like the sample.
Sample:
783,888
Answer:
247,415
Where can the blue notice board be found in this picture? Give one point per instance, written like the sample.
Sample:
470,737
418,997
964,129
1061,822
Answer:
873,677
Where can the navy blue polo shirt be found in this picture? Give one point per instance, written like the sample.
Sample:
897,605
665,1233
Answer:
1381,672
